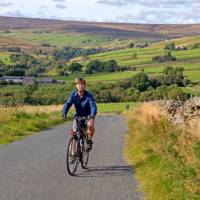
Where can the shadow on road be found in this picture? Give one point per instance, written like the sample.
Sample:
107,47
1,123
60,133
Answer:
102,171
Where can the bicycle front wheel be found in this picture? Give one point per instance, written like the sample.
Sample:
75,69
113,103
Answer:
71,157
85,158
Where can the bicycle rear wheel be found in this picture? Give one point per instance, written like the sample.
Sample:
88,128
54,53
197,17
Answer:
71,157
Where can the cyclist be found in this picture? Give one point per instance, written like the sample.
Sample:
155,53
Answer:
85,106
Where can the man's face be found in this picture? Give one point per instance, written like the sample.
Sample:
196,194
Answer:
80,87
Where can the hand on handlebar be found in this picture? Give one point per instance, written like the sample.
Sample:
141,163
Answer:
63,116
91,117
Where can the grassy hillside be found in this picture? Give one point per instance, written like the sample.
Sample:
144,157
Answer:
156,31
58,39
142,58
30,33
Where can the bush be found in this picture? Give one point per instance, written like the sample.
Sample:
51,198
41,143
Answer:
105,96
170,46
140,81
167,57
98,66
110,66
131,45
195,46
75,67
176,93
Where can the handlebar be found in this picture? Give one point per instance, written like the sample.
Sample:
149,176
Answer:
82,118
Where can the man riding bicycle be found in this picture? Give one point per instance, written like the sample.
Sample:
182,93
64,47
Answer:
85,106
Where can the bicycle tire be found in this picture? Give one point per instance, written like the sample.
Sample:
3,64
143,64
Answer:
68,156
85,155
85,159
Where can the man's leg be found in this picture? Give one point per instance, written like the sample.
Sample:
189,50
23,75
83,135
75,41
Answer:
90,132
90,128
73,152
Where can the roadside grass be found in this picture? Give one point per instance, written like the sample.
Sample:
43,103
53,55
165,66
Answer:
21,121
166,158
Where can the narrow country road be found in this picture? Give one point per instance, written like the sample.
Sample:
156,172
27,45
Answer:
34,168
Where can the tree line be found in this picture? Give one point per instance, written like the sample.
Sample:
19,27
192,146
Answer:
139,87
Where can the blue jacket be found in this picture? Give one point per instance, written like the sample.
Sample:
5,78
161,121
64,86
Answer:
84,106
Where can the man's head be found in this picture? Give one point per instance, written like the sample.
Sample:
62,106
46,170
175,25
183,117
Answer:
80,84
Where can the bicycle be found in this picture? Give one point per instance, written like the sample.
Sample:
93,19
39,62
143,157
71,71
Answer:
76,148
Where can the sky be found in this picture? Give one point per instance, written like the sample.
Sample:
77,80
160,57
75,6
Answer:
126,11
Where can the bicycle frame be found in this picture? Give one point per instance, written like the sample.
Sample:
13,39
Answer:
78,138
80,135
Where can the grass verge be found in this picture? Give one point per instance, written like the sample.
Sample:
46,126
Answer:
166,158
18,122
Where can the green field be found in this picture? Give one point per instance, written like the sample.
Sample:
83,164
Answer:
4,57
63,39
193,75
194,91
114,107
144,56
100,77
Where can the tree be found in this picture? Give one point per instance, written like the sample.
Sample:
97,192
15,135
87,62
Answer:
140,81
105,96
93,66
131,45
172,76
15,72
29,90
170,46
118,94
110,66
75,67
166,57
195,45
187,82
2,63
175,92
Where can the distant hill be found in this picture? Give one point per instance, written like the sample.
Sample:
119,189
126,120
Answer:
124,30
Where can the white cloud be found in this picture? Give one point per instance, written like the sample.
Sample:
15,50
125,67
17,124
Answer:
11,13
138,11
59,0
61,6
5,4
113,2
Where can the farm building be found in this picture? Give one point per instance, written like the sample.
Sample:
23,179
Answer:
28,80
13,79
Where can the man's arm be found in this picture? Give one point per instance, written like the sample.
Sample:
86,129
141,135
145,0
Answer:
67,105
93,106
